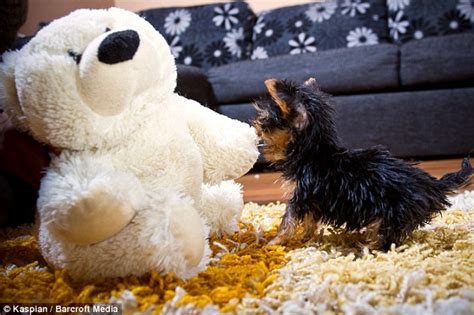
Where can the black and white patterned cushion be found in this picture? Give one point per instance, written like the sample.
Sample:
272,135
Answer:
207,35
417,19
319,26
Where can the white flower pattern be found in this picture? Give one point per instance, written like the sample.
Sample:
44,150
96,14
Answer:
232,40
177,22
302,44
226,16
229,29
418,34
361,36
175,47
353,7
397,25
395,5
321,11
259,24
259,53
466,7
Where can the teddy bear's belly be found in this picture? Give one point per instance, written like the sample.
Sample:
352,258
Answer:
164,162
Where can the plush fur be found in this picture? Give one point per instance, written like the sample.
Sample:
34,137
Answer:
358,189
140,179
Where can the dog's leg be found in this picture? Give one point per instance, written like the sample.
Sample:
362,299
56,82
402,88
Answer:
287,227
373,239
310,225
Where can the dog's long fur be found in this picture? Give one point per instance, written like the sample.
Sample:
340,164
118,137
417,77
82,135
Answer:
334,185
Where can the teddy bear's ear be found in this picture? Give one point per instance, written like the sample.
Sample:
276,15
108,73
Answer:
8,94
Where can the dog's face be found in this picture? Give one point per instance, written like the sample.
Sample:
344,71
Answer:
280,117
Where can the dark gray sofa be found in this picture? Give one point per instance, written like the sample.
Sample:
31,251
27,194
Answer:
416,97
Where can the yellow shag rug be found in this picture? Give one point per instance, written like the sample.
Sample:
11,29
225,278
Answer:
432,273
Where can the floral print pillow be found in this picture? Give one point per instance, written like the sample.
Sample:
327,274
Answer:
417,19
319,26
208,35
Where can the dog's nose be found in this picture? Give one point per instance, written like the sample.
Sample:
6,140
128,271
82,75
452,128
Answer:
118,47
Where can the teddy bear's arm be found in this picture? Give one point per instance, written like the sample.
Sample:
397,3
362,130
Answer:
228,147
83,200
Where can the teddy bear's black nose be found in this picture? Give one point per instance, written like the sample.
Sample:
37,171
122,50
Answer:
118,47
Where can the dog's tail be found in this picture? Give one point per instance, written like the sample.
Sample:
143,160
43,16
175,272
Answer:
456,180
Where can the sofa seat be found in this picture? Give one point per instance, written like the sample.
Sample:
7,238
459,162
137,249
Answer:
409,124
440,59
338,71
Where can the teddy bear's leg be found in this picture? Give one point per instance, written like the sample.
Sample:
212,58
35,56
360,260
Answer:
167,235
222,206
83,200
190,231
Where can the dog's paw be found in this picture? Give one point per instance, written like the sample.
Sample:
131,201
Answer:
307,236
278,240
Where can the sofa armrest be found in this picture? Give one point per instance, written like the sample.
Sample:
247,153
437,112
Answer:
193,83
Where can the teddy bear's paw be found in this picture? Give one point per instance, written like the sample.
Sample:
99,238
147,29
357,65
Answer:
93,219
239,151
222,205
190,232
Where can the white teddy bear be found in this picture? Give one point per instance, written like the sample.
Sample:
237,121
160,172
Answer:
142,173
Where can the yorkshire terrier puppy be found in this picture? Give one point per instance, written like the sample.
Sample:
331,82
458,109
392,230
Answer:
356,189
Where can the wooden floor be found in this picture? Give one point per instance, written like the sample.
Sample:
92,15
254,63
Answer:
266,187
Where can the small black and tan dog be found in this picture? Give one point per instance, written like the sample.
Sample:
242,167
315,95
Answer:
359,189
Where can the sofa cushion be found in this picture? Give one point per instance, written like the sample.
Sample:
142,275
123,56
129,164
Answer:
437,60
319,26
206,35
415,19
409,124
415,123
338,71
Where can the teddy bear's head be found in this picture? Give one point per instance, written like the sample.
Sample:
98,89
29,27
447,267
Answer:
88,80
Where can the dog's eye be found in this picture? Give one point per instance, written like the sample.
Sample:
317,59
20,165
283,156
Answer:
107,29
75,56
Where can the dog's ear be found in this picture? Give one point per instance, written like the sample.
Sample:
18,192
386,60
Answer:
273,87
284,94
312,83
301,119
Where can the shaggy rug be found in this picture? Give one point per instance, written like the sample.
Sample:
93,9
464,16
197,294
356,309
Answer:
432,273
